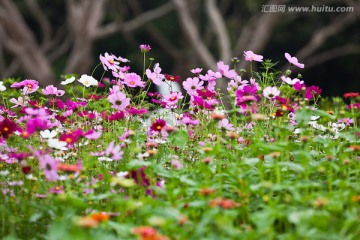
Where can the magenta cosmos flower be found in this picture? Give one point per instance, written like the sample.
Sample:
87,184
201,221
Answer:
133,80
250,56
29,85
119,100
294,61
191,85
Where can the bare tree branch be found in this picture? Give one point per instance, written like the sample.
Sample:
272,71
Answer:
135,23
326,32
332,54
220,29
40,17
193,34
18,39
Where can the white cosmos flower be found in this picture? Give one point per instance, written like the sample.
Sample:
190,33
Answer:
88,81
55,143
2,87
68,81
48,134
271,92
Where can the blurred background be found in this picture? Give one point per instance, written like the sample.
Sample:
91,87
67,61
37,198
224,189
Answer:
43,39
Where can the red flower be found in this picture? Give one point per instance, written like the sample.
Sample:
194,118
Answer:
172,78
158,125
351,94
7,127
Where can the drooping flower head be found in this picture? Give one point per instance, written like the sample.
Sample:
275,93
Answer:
294,61
225,70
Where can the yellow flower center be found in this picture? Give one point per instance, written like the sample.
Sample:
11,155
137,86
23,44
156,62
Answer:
132,83
6,129
158,127
68,140
172,98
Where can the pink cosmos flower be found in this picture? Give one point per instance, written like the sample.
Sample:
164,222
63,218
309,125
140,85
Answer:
49,165
224,70
171,100
51,90
294,61
224,124
111,62
119,100
271,92
191,85
250,56
29,85
92,135
145,48
311,91
133,80
196,70
57,190
114,151
156,77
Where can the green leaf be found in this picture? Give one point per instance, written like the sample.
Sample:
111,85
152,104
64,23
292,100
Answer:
179,138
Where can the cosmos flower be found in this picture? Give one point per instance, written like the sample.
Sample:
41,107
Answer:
119,101
145,48
191,85
114,152
2,87
51,90
224,70
250,56
271,92
133,80
158,125
88,81
294,61
68,81
156,77
224,124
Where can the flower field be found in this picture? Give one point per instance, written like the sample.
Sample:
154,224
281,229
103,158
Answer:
110,158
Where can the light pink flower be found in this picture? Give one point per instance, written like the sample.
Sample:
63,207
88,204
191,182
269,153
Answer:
111,62
156,77
271,92
114,152
119,100
224,124
196,70
21,102
294,61
250,56
224,70
51,90
290,81
133,80
92,135
193,84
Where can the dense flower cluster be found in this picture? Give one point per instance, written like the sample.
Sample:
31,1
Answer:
258,158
